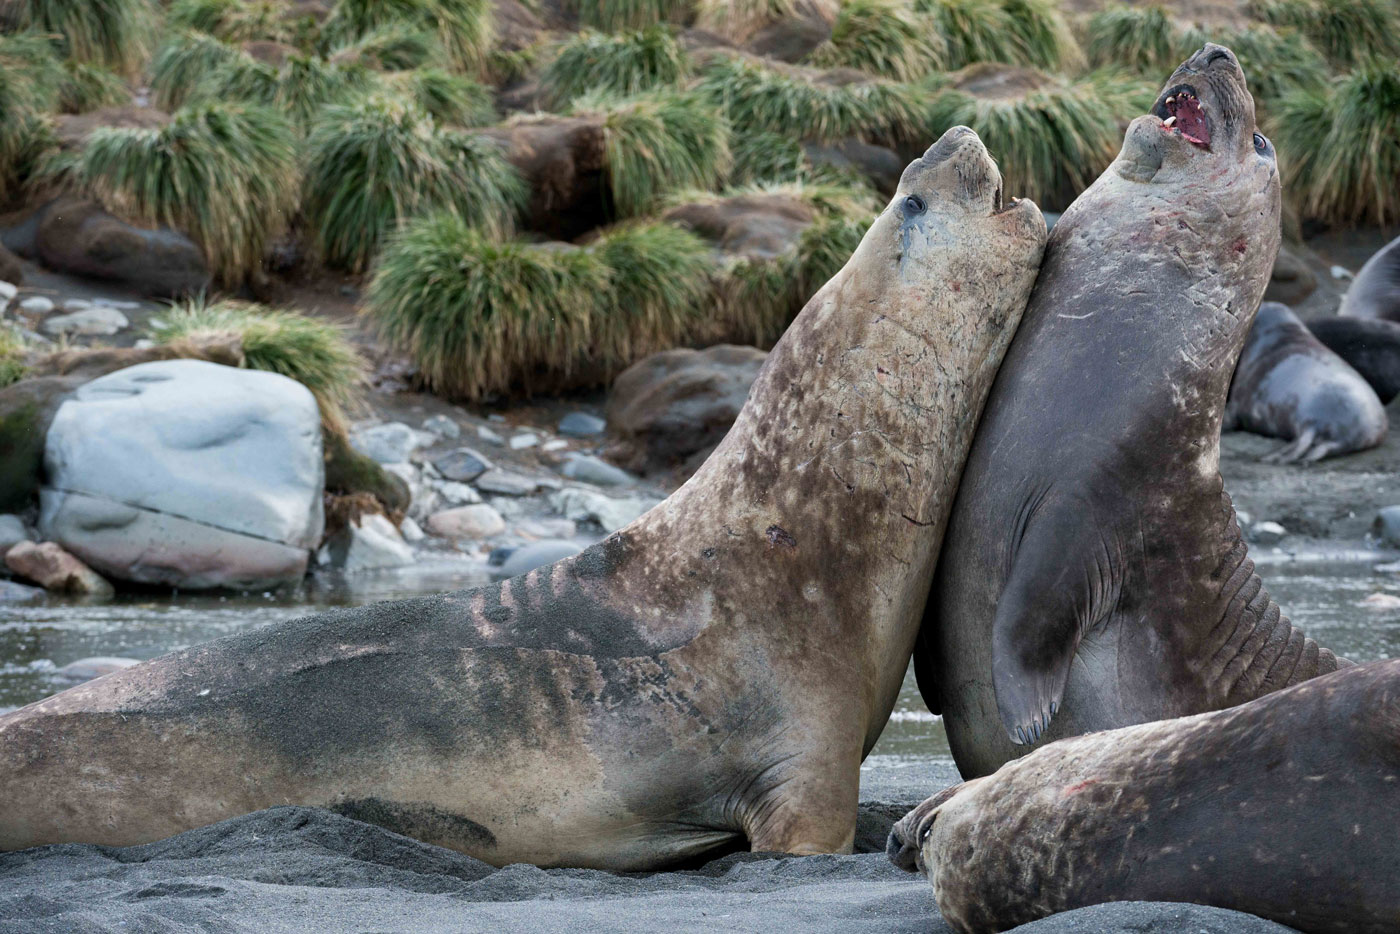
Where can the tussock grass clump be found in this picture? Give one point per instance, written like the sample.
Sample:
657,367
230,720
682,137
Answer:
657,143
1043,35
483,317
826,246
224,173
883,38
1339,147
767,157
1141,37
619,15
803,104
737,20
111,32
301,88
449,98
464,29
12,356
373,164
314,352
232,20
391,47
614,64
1346,31
87,87
972,31
1275,61
30,78
1051,139
183,64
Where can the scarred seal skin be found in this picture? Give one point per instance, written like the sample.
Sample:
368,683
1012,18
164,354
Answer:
1289,385
1376,291
1370,346
712,673
1093,574
1287,807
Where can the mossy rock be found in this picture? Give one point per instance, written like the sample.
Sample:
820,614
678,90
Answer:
349,472
26,409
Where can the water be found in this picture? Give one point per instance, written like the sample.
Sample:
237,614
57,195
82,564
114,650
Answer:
1321,595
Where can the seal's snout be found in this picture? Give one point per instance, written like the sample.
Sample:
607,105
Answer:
954,140
900,851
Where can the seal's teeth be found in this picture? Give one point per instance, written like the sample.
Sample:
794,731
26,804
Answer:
1170,121
1170,100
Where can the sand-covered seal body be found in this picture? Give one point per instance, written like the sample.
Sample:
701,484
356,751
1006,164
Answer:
1093,574
1370,346
1287,807
1375,293
1289,385
709,675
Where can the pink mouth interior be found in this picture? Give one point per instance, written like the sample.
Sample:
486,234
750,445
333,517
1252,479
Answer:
1187,116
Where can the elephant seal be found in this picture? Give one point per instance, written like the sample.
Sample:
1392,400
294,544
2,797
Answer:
1289,385
1287,807
1370,346
1093,574
1375,293
712,673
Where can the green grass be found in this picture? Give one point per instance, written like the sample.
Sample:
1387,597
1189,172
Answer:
87,87
449,98
314,352
1339,147
1346,31
623,64
764,156
804,104
1140,37
464,29
618,15
12,356
737,20
484,317
658,143
1051,139
225,173
374,164
30,79
826,246
1275,60
301,87
972,31
184,62
232,20
392,47
1043,35
883,38
116,33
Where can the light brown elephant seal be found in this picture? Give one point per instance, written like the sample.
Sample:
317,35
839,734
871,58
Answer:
1093,575
714,672
1287,807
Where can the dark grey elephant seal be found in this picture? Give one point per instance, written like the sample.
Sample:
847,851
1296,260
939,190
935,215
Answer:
1093,574
1289,385
1287,807
712,673
1375,293
1370,346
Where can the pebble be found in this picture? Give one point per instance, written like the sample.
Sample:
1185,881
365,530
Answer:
558,444
443,427
467,522
463,465
37,305
1267,533
1341,272
91,322
456,494
581,425
1386,526
489,436
527,558
85,669
12,532
8,290
589,469
589,505
499,419
54,569
1381,601
374,544
10,592
411,531
524,440
546,528
506,482
1244,519
391,443
144,343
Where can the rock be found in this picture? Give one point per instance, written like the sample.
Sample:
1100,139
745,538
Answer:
85,669
11,271
10,592
581,425
562,161
1244,519
1292,280
73,130
188,474
411,531
675,406
455,494
1386,526
391,443
558,444
36,305
8,290
48,565
76,237
508,507
881,166
489,436
524,440
754,226
588,469
589,506
526,558
443,427
371,545
1380,601
506,482
1267,533
349,472
792,38
463,465
98,321
546,528
12,532
467,522
26,409
1342,274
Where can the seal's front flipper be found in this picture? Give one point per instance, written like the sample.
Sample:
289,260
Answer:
1062,582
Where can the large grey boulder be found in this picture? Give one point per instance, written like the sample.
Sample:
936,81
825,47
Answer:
188,474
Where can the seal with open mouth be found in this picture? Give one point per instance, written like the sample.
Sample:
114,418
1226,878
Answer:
709,675
1287,807
1093,574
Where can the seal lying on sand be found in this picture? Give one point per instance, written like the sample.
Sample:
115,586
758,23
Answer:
1370,346
713,672
1376,291
1093,574
1287,807
1289,385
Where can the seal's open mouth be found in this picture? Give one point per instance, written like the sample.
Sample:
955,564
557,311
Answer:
1181,112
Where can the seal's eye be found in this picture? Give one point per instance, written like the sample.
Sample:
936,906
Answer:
1261,145
923,834
914,205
